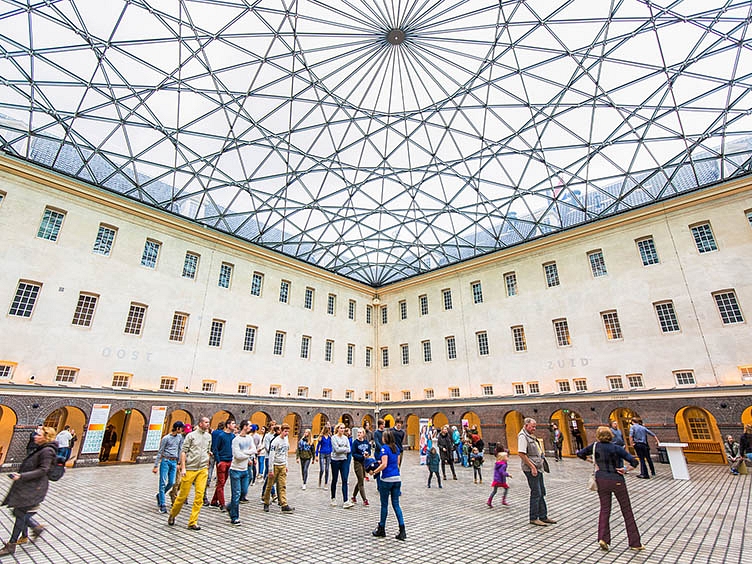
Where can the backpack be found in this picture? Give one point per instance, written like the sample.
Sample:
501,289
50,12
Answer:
57,469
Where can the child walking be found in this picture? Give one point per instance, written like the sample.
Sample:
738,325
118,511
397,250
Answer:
500,478
477,459
433,465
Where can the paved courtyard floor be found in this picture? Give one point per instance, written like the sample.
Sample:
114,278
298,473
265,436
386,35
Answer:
109,514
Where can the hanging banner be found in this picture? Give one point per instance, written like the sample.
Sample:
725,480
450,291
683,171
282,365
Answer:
425,437
100,412
156,423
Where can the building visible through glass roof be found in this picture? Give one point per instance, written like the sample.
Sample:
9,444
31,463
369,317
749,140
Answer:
381,139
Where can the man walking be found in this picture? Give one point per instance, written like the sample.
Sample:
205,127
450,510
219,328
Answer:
222,449
243,449
194,469
529,451
278,449
166,462
64,443
639,437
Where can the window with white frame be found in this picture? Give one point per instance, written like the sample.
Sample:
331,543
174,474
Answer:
611,325
597,263
26,296
215,333
134,323
305,346
249,339
167,384
580,385
728,307
284,292
85,307
6,370
533,388
426,351
385,357
446,295
257,283
349,394
402,306
510,282
684,378
279,343
563,386
350,354
384,315
369,314
225,275
244,389
406,395
302,391
635,381
351,307
454,392
746,373
519,389
405,353
151,253
66,375
209,386
326,393
368,395
666,316
177,329
423,303
190,265
385,396
428,393
52,221
328,350
451,347
487,389
105,240
703,236
615,383
552,274
648,254
561,330
477,291
331,304
369,357
308,298
121,380
518,336
482,339
275,390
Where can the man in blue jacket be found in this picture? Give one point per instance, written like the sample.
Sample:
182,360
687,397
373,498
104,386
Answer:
222,450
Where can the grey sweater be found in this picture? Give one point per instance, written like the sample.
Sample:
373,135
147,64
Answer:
340,447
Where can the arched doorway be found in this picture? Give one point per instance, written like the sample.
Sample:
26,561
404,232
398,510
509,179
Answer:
177,415
747,416
319,422
623,417
347,419
439,420
262,419
473,421
388,421
72,416
698,428
129,425
293,420
8,421
369,420
221,415
513,423
412,432
572,427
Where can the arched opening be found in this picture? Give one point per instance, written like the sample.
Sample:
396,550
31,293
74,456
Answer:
262,419
572,428
221,415
72,416
176,415
8,422
513,423
368,419
388,421
128,427
293,420
698,428
439,420
319,422
347,419
747,416
623,417
472,421
412,432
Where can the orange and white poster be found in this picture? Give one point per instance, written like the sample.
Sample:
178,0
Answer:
100,412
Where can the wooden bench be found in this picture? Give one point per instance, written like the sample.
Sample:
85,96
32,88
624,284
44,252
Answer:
704,451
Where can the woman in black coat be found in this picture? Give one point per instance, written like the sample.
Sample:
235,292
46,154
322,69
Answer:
30,486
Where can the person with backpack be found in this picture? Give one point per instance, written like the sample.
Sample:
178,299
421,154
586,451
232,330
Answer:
29,488
304,454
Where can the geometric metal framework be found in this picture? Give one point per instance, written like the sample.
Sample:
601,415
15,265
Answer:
380,139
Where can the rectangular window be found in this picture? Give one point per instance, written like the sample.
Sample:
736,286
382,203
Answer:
331,303
66,375
84,309
580,385
190,265
25,299
477,292
249,339
208,386
368,395
326,393
177,329
666,317
369,356
135,321
533,388
328,349
52,221
225,275
426,351
104,241
275,390
482,338
350,354
519,389
406,395
746,373
648,254
561,329
257,282
402,305
510,281
428,393
351,307
611,325
215,334
302,391
284,292
167,384
305,346
385,396
423,301
384,316
635,381
597,264
405,350
244,389
151,253
6,370
487,389
308,299
369,314
279,343
121,380
563,386
349,394
454,392
703,236
615,383
552,274
447,296
728,307
518,336
684,378
385,357
451,347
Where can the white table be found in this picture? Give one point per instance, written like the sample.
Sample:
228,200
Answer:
676,459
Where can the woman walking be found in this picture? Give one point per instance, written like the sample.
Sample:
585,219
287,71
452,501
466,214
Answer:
340,452
324,454
305,454
389,486
610,479
361,449
29,488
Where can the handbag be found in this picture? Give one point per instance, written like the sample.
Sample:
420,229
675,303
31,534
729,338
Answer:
592,485
546,467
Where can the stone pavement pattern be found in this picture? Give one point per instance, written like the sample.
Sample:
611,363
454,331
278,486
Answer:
109,514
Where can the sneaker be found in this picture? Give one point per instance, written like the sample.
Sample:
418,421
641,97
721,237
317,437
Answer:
287,509
365,502
304,486
347,505
637,548
215,504
266,508
163,509
333,503
354,499
244,500
222,508
171,520
22,540
235,522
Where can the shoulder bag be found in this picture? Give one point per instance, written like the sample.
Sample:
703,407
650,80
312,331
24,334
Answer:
592,485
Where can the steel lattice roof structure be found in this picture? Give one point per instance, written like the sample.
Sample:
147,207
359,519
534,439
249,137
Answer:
380,139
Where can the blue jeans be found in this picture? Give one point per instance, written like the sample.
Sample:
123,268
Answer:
238,484
387,490
167,470
261,467
538,509
340,468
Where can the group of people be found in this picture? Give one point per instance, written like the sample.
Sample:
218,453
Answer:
739,454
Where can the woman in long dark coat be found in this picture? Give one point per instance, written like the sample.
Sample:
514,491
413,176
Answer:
29,487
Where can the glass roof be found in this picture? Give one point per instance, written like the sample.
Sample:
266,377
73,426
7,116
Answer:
381,139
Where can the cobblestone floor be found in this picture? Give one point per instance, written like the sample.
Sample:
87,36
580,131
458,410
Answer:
109,514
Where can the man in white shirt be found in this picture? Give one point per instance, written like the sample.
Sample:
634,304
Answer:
63,443
277,460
